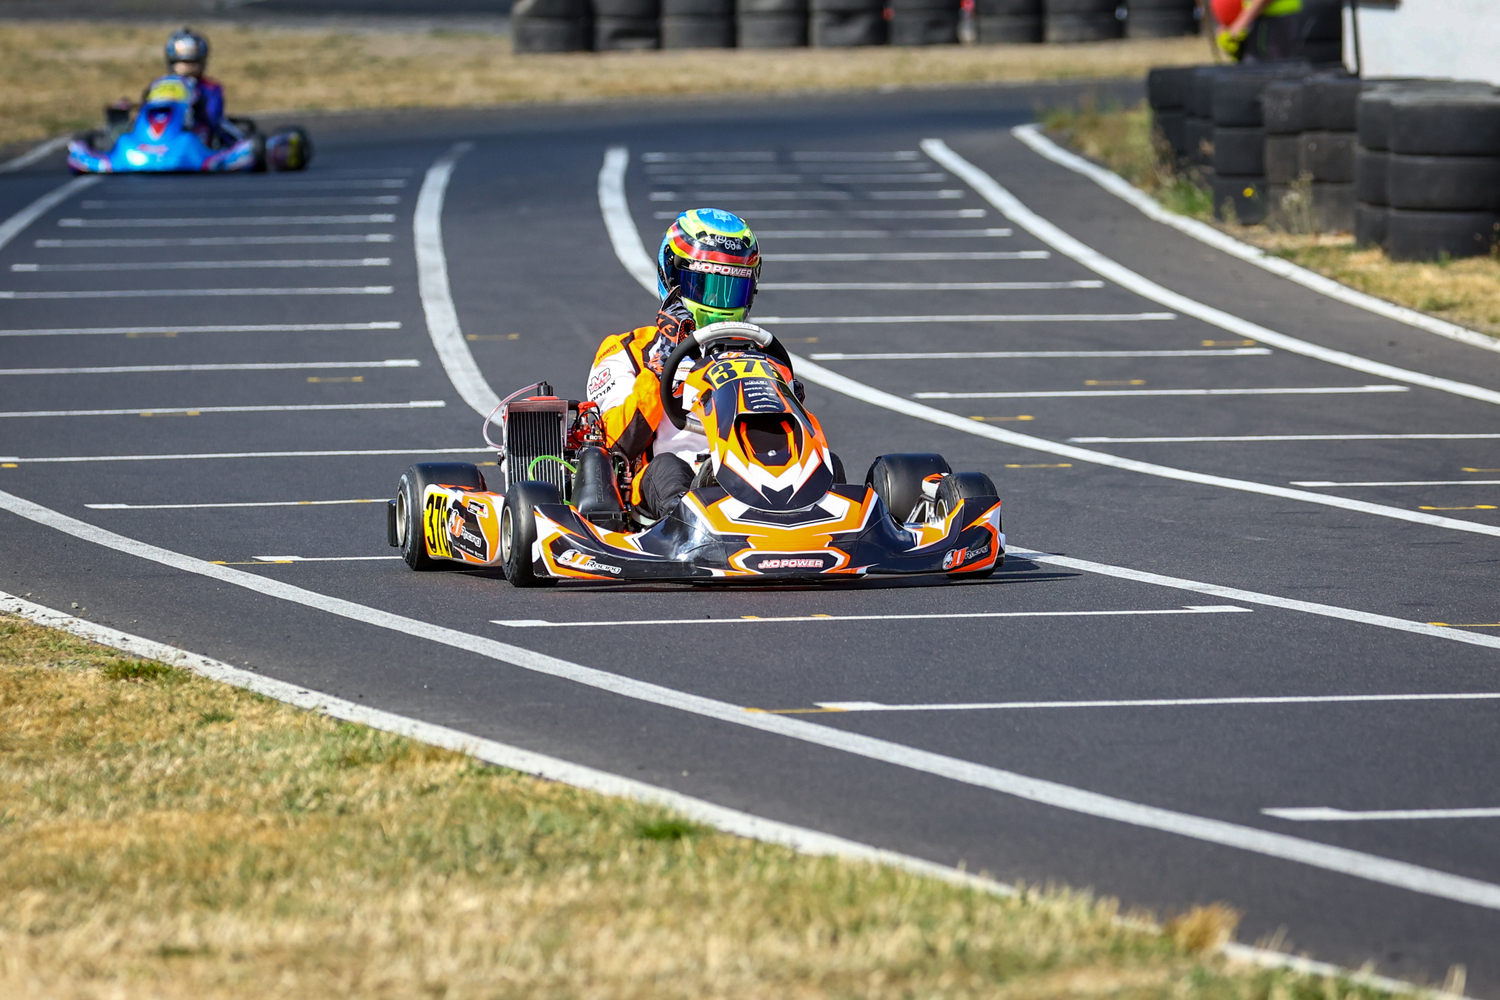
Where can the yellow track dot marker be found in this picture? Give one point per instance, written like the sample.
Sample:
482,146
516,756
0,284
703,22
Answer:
1117,381
1467,469
8,465
1023,416
1482,506
1228,343
492,336
1064,465
344,378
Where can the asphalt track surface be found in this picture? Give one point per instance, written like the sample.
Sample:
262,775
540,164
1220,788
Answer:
1164,805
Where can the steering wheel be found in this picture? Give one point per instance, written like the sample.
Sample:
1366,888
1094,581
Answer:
695,343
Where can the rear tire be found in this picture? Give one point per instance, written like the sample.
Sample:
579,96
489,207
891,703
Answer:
951,494
518,531
410,536
897,480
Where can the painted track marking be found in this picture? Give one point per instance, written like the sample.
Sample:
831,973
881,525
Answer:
1433,482
626,240
373,199
240,367
200,265
914,255
851,234
1013,209
84,331
1237,438
13,226
756,620
863,213
1333,699
1333,390
250,220
1150,317
1358,864
415,404
1228,352
1324,814
193,293
201,506
922,286
217,241
208,455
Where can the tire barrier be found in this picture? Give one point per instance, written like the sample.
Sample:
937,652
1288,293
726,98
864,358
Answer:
1427,168
1239,183
1008,22
1160,18
923,22
626,25
1080,20
697,24
847,23
771,24
551,26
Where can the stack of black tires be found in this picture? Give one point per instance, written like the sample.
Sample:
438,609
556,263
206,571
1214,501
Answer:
552,25
1310,146
1008,22
1081,20
1160,18
1427,170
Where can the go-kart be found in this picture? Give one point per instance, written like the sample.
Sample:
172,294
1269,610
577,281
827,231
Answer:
161,138
768,499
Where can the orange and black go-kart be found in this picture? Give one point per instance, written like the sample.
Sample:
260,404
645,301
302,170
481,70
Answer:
768,500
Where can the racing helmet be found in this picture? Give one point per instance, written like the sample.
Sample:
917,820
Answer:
186,45
711,258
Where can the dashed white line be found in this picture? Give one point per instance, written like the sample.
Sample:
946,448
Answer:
194,293
201,265
207,455
1330,699
923,286
216,241
1324,814
928,178
82,331
198,506
1237,438
749,156
754,619
416,404
375,199
853,156
1207,352
252,220
13,226
973,318
916,255
312,559
751,196
352,184
872,234
861,213
248,366
947,194
1428,482
1333,390
35,153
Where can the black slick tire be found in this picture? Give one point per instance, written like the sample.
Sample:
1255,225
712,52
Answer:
518,531
1412,235
1239,151
412,487
897,480
952,492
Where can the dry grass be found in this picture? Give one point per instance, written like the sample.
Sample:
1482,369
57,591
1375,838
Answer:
1465,291
164,836
58,75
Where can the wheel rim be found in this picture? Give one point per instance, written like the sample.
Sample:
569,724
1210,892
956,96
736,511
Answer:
507,527
402,528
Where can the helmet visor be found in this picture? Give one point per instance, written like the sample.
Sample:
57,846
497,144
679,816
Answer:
718,286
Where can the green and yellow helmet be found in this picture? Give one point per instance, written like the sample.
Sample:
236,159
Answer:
711,258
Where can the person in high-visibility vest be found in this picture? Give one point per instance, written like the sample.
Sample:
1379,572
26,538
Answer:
1259,30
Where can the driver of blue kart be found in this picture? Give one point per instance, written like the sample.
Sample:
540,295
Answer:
706,272
187,57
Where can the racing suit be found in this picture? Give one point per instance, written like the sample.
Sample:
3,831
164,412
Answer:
208,112
625,383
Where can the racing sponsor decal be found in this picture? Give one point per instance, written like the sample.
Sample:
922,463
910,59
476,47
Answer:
435,525
958,557
464,531
792,562
573,559
708,267
610,381
726,371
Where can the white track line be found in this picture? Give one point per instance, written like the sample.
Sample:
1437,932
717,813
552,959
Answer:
732,821
217,241
623,235
193,293
1325,814
754,619
81,331
946,195
927,178
1238,438
861,234
378,499
1357,864
1060,241
252,220
1118,186
1431,482
34,154
308,559
916,255
864,213
12,227
818,156
708,177
703,196
875,706
917,286
416,404
202,506
621,229
246,366
1334,390
201,265
753,156
432,284
1207,352
228,183
374,199
977,318
205,455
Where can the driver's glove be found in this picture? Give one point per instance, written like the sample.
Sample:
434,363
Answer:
674,320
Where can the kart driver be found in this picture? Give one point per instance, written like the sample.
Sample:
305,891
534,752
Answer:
187,57
706,272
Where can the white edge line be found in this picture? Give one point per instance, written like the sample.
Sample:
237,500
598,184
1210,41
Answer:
732,821
437,297
1116,185
33,154
1063,243
623,234
13,226
753,620
241,454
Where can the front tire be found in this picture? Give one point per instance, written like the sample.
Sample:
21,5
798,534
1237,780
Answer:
897,480
410,491
518,531
952,491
